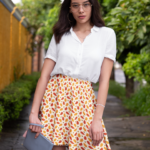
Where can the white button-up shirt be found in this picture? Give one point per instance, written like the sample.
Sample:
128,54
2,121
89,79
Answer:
82,60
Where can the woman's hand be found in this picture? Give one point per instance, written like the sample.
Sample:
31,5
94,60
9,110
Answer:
34,119
96,132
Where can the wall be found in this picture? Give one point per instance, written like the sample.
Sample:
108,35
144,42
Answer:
13,44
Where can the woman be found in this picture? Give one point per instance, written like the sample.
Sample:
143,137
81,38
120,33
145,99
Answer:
82,50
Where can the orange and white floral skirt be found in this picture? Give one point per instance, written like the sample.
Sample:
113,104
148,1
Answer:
67,110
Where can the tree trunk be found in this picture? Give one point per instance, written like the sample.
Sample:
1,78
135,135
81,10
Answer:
129,86
112,77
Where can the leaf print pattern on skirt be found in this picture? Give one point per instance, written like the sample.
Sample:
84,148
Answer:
67,110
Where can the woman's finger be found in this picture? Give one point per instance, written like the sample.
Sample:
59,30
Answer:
94,138
98,139
39,129
36,128
102,135
33,128
25,133
30,127
37,135
90,132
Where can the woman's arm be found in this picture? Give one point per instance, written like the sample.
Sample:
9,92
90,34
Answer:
96,129
41,85
38,95
106,70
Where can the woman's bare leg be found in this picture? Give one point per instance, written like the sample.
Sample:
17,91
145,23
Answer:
59,148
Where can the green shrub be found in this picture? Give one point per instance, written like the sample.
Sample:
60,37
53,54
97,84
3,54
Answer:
16,95
2,116
139,103
33,78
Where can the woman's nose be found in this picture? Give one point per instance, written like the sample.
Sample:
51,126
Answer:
81,8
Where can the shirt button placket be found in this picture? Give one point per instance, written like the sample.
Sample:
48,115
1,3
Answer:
80,54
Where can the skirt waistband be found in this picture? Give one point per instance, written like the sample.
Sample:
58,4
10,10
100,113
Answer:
69,78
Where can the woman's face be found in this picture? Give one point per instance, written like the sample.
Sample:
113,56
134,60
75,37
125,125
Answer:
81,10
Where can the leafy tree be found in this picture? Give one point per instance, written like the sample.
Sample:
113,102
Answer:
36,12
46,29
137,65
131,21
107,5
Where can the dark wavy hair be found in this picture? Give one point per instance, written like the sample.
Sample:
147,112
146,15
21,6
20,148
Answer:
63,25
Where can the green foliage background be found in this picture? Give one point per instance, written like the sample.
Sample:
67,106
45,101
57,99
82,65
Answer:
46,29
138,66
131,21
36,11
15,96
139,103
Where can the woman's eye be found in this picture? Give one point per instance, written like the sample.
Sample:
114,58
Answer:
75,6
86,5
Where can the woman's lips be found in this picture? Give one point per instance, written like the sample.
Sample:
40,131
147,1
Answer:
81,17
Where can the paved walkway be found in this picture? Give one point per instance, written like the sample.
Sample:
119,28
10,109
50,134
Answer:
125,133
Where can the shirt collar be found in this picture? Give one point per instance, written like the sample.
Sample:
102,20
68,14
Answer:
94,28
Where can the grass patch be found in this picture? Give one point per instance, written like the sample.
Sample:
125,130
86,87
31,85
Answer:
114,89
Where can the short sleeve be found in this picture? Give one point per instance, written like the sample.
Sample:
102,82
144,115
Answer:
52,51
111,46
